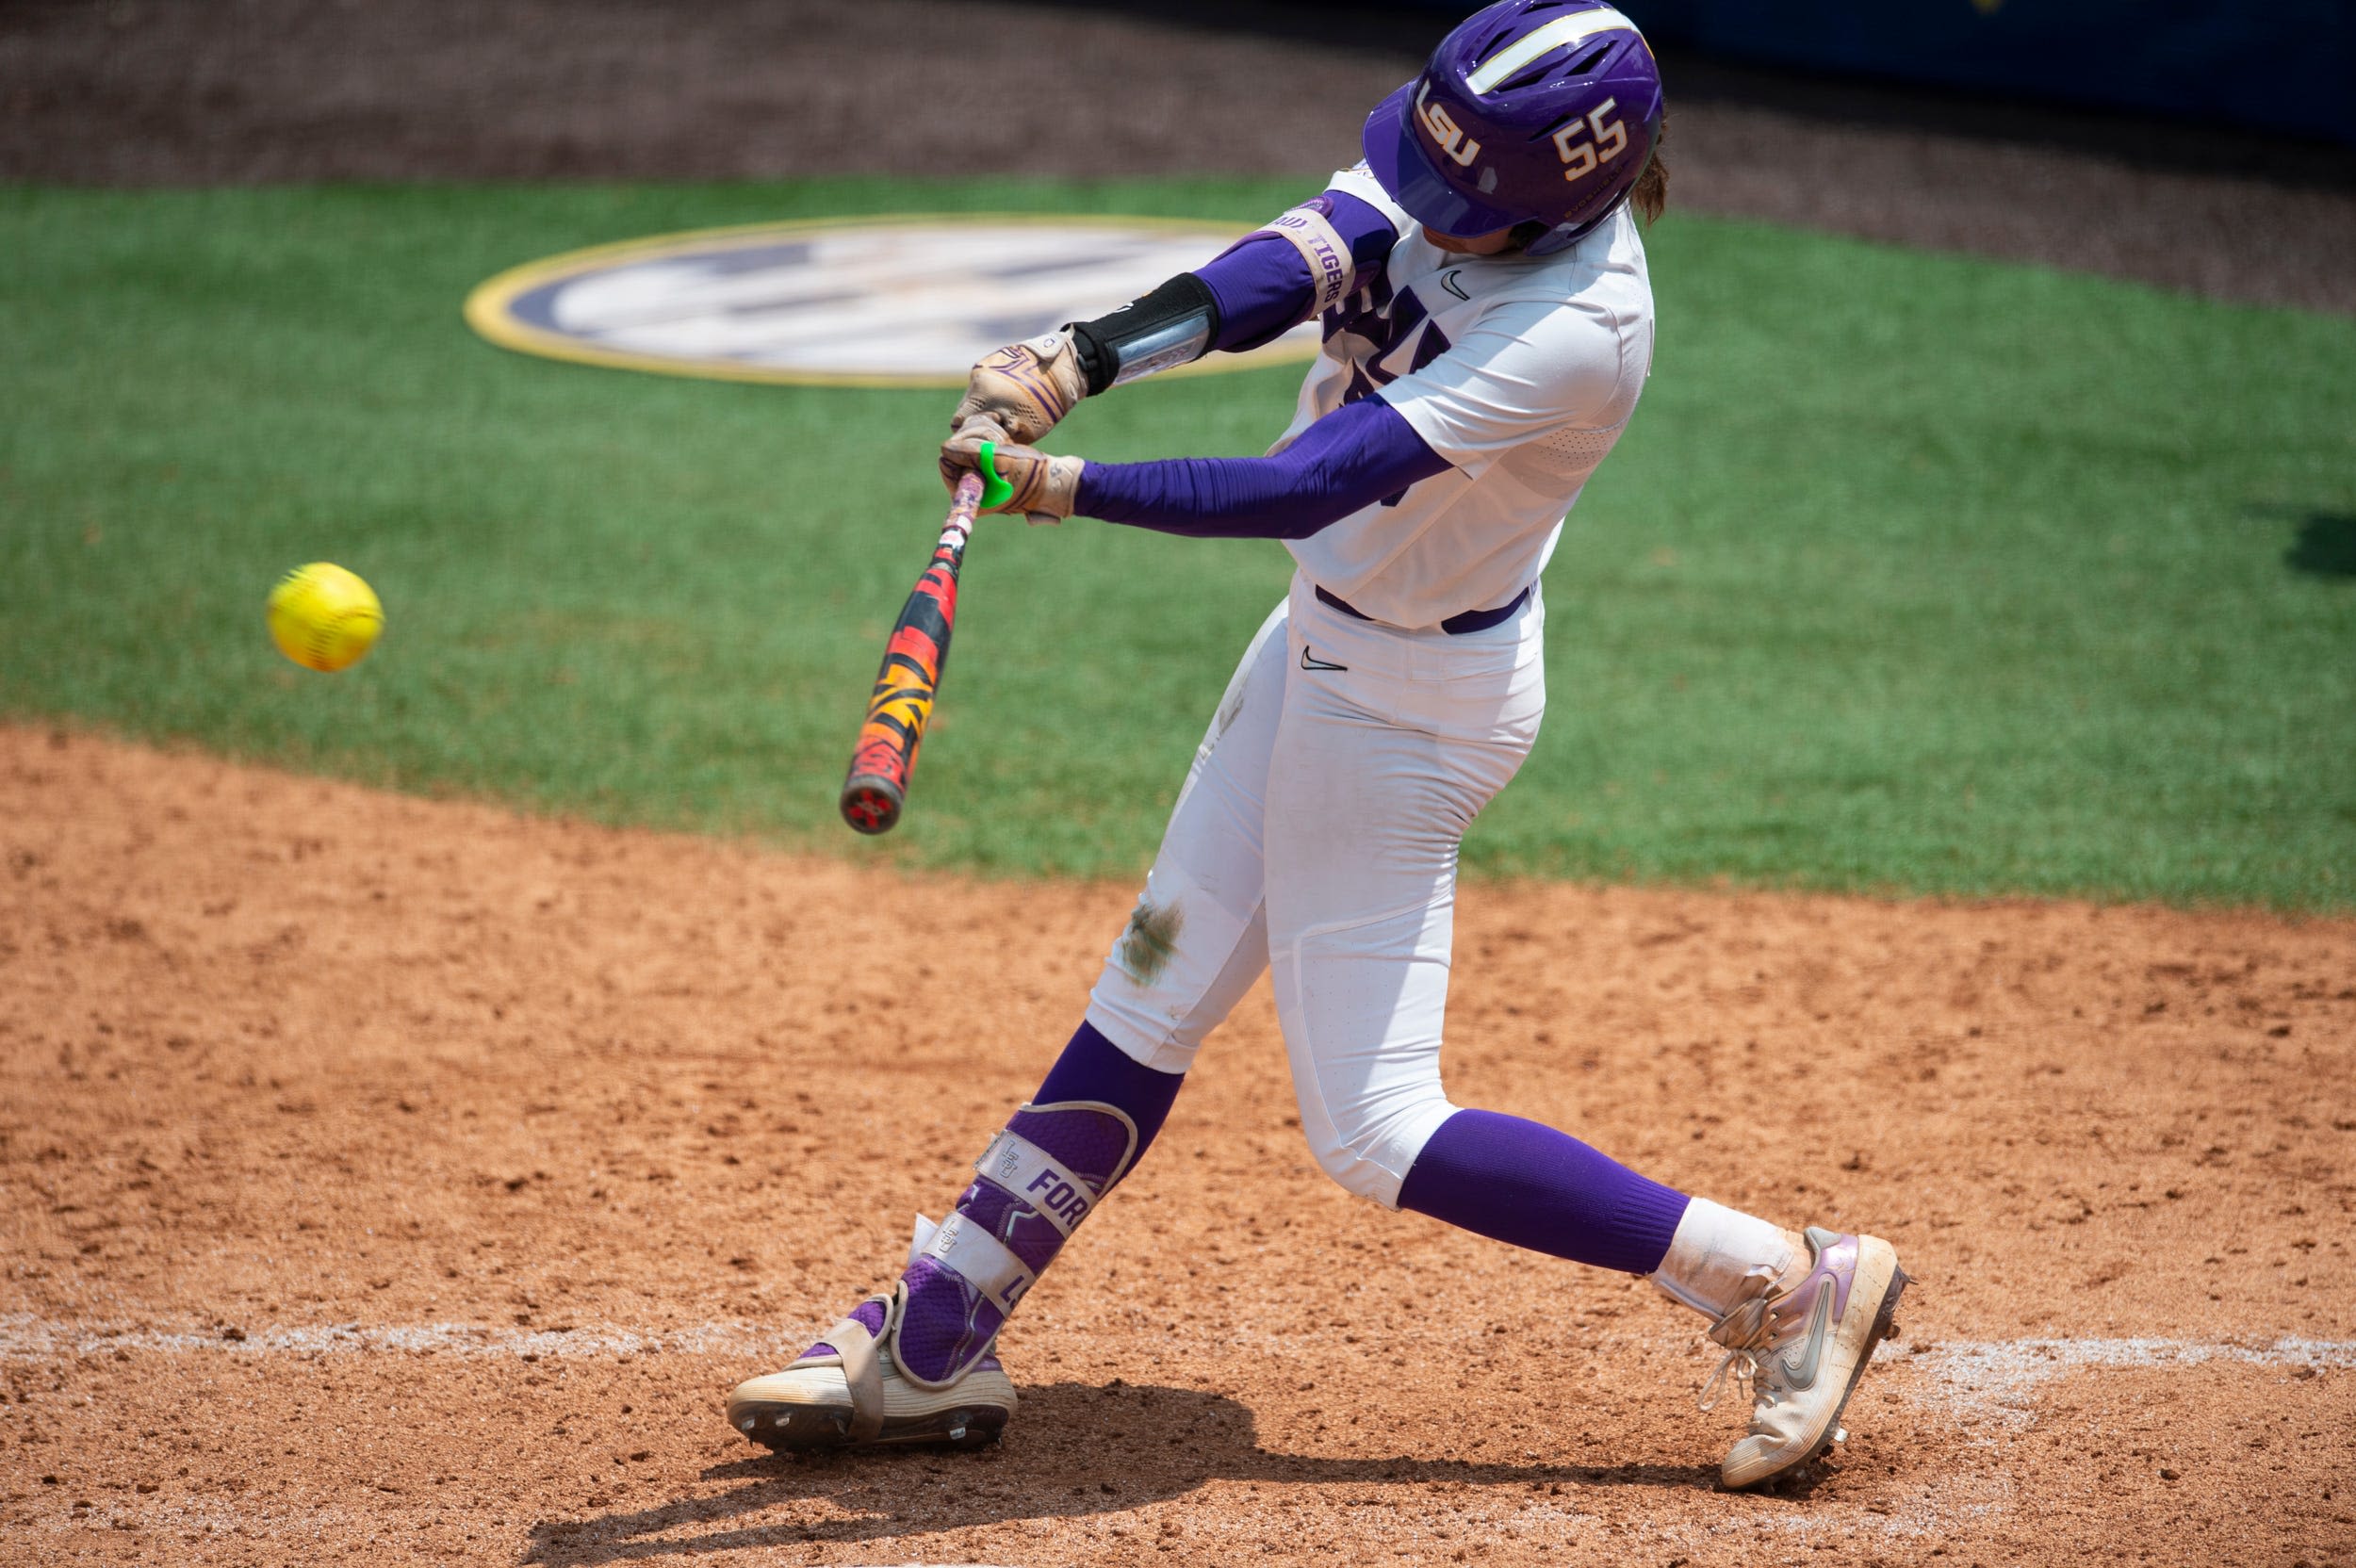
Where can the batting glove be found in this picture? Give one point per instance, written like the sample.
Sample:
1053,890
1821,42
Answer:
1042,488
1024,387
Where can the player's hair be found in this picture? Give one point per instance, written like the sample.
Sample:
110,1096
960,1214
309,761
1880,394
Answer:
1649,196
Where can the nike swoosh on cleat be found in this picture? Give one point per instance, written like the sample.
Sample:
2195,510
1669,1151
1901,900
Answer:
1309,664
1802,1373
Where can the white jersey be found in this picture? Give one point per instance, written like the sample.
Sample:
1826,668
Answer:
1520,371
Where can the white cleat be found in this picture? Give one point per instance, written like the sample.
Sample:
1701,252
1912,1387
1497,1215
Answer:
846,1393
1803,1350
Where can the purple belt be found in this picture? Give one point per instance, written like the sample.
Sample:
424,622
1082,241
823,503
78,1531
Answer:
1455,625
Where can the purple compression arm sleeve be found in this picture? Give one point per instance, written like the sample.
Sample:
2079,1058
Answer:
1529,1185
1262,284
1354,457
1250,293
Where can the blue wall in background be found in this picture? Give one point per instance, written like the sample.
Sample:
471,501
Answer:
2281,65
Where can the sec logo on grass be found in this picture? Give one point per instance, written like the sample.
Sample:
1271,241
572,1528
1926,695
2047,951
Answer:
899,300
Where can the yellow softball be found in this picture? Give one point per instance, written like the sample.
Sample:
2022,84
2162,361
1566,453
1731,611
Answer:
324,617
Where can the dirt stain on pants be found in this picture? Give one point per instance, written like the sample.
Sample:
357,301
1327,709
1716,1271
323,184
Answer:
1152,940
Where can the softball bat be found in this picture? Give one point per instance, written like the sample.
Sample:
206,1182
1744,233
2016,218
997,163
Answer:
915,656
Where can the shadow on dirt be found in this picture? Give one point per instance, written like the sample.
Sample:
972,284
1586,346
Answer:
1082,1450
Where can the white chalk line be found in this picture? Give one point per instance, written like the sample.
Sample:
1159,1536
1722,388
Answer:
1990,1380
1988,1388
1999,1375
1987,1372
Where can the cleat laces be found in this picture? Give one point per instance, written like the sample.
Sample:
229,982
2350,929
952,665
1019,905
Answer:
1746,1332
1744,1368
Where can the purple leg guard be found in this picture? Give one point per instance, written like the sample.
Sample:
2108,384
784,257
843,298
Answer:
1529,1185
1037,1180
1058,1156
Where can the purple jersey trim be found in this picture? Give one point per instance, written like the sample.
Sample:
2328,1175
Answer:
1529,1185
1357,455
1262,282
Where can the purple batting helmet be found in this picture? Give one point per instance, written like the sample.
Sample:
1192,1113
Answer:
1531,111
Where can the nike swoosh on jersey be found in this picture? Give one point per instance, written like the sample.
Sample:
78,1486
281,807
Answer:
1802,1373
1309,664
1448,281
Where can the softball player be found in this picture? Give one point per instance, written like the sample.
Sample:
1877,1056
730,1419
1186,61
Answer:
1487,332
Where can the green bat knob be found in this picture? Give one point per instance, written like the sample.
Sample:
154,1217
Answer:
996,491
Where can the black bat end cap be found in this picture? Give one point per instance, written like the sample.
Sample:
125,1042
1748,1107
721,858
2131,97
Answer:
871,805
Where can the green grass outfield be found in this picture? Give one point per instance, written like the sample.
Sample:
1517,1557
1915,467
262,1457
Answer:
1914,573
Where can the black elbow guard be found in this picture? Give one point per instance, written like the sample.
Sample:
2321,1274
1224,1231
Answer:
1174,325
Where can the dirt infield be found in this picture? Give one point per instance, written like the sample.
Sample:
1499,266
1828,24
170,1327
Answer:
390,1180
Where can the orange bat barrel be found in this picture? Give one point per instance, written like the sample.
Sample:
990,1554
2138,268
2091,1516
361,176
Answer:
910,681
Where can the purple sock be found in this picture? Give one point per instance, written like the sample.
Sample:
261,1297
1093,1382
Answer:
1529,1185
1093,1068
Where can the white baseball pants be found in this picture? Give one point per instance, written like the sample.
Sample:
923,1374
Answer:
1316,837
